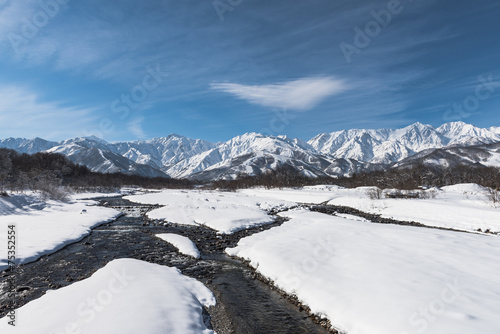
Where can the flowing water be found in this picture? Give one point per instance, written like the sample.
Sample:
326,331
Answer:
244,304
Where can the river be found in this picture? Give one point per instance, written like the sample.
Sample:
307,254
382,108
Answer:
244,304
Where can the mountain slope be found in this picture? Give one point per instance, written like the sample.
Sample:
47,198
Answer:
334,154
389,146
97,156
28,146
250,153
145,158
485,155
162,152
254,154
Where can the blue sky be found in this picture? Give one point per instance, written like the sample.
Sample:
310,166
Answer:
125,70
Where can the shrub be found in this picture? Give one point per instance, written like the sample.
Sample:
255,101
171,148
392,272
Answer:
374,193
403,194
493,195
426,194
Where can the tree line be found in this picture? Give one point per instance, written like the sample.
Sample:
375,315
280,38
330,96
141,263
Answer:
399,178
49,172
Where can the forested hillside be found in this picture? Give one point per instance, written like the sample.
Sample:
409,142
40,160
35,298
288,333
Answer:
48,171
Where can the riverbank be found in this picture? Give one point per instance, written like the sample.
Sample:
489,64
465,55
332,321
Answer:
244,304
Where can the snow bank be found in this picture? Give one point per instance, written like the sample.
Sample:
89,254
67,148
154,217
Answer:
120,192
45,227
17,203
462,207
309,194
77,196
183,244
225,212
126,296
465,188
382,279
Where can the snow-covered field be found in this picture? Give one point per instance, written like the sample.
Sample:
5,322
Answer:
46,226
382,279
85,195
365,278
118,192
462,206
310,194
183,244
226,212
126,296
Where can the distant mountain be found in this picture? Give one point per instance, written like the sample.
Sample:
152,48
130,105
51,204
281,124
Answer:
146,158
388,146
334,154
485,155
252,154
99,157
162,153
28,146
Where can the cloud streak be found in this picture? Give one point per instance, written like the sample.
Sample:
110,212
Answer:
135,127
24,113
302,94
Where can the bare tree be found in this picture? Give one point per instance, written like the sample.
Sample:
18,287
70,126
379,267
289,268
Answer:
426,194
21,183
5,168
493,195
374,193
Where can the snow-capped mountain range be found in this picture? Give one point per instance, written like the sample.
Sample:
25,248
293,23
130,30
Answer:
388,146
328,154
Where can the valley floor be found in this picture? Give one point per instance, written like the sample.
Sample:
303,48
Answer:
363,277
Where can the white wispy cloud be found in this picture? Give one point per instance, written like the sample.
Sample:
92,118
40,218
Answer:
302,94
24,113
135,127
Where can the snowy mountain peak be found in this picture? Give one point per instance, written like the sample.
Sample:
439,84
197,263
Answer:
461,133
28,146
337,153
94,138
418,126
391,145
457,129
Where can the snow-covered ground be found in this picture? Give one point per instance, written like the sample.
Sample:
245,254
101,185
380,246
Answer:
119,192
86,195
183,244
226,212
46,226
462,206
366,278
309,194
382,279
126,296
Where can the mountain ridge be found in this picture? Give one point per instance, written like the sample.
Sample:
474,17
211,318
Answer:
339,153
